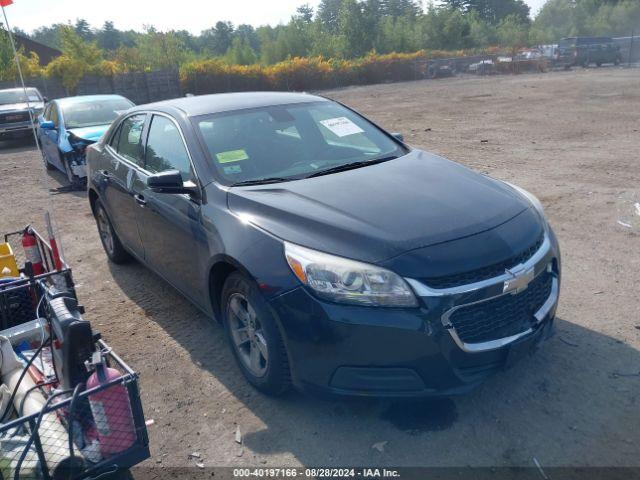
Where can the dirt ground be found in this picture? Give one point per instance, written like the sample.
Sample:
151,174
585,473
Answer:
571,138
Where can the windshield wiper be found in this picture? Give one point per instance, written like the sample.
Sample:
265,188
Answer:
351,166
262,181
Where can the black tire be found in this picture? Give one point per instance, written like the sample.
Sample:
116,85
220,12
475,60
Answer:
47,165
276,378
113,247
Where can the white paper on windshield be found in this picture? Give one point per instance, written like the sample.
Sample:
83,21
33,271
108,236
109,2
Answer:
341,126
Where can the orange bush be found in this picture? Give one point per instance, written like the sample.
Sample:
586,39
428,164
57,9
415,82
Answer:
307,73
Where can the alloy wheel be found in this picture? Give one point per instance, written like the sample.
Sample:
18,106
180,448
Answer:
248,335
104,229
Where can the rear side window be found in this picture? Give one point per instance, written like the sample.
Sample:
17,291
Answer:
130,138
165,148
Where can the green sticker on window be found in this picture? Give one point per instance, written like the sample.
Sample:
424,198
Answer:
232,156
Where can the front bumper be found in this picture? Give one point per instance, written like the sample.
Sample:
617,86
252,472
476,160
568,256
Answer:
360,351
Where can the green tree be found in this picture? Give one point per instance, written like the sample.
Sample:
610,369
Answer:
159,50
248,34
328,14
513,31
109,37
400,8
217,40
83,29
492,11
241,53
305,13
353,28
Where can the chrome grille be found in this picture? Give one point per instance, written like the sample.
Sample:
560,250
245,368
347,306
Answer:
14,117
503,316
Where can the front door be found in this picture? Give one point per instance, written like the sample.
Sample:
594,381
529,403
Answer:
49,138
125,155
170,224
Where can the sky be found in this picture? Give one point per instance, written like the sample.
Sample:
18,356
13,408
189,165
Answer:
192,15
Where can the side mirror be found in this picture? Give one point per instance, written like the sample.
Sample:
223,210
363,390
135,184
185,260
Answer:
45,100
47,125
171,182
398,136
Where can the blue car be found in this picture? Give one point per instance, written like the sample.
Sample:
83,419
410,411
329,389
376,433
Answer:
338,259
68,126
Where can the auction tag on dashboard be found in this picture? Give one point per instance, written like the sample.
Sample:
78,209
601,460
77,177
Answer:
232,156
341,126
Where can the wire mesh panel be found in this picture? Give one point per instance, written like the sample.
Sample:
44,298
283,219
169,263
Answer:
19,297
80,433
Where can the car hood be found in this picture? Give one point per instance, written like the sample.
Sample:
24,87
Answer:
380,211
12,107
91,134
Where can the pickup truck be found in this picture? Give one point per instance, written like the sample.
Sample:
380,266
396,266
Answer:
15,103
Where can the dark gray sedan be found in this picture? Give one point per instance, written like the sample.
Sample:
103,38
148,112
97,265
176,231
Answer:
338,258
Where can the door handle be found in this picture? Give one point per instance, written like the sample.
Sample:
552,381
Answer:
140,200
105,174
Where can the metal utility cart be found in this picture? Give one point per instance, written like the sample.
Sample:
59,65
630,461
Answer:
57,419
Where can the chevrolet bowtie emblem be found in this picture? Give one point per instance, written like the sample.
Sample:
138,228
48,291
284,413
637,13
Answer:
519,280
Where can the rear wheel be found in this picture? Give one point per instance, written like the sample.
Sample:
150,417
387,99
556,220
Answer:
254,336
110,241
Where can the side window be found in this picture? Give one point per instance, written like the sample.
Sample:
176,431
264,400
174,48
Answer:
165,148
115,137
53,115
130,138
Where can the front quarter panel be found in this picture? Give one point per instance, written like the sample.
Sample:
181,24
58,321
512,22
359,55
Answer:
232,238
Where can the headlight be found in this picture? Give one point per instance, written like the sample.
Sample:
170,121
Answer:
347,281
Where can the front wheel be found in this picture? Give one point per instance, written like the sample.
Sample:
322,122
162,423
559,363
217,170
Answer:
76,182
254,336
47,165
110,241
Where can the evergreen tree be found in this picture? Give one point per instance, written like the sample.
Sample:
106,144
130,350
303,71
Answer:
109,37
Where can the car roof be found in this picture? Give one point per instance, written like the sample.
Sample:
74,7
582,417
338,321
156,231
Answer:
194,106
17,89
65,102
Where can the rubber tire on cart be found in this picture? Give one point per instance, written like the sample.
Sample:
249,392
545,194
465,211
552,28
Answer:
108,236
271,374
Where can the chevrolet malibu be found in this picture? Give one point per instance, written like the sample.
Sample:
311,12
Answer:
338,259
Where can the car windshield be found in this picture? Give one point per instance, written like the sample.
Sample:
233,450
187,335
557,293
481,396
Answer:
94,112
286,142
17,96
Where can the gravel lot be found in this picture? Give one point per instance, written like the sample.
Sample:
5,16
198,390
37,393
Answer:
572,138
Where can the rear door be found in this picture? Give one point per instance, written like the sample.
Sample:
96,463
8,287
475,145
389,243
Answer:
126,157
170,224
